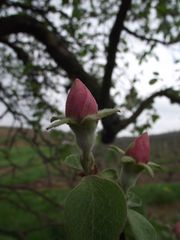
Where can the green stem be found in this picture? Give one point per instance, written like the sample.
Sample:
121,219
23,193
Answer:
87,162
128,177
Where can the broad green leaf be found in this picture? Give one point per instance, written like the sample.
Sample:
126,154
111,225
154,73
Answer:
73,161
141,228
95,210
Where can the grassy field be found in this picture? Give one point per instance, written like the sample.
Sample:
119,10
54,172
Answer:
33,189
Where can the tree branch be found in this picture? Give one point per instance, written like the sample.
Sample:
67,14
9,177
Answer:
111,51
56,46
172,95
150,39
21,54
2,2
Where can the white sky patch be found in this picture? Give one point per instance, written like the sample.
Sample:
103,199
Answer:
165,67
170,117
169,74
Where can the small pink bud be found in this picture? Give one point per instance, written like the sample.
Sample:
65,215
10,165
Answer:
140,149
80,102
176,229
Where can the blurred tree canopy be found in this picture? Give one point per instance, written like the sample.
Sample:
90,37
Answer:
46,44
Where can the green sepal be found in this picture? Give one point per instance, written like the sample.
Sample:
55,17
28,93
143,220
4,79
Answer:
61,122
147,168
151,166
116,149
100,114
155,166
107,112
55,118
110,174
127,159
129,174
92,117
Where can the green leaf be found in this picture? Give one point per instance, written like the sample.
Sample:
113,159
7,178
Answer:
73,161
133,200
156,73
95,210
140,226
65,2
155,117
153,81
110,174
147,168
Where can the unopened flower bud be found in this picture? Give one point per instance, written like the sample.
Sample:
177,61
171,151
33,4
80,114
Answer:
82,115
80,105
140,149
80,102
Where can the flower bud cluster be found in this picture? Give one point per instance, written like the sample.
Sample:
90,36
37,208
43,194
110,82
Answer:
80,102
82,115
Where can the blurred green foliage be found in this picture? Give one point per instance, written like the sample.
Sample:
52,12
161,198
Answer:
29,202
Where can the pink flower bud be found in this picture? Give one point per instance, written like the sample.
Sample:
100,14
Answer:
80,102
176,229
140,149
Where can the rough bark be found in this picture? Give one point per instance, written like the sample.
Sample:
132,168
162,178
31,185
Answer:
114,38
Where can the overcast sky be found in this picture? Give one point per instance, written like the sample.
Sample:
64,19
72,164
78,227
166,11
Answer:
170,77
